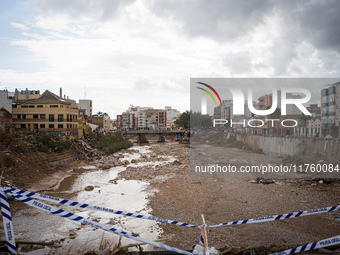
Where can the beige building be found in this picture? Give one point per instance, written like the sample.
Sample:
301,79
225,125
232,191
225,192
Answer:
85,104
46,113
103,122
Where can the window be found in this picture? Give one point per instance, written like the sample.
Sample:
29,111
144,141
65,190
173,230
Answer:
68,125
50,125
31,106
19,116
40,106
51,117
42,116
23,125
35,116
24,106
14,106
42,125
24,116
60,125
60,118
68,117
53,106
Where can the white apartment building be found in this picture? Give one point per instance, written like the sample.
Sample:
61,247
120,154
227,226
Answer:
312,128
85,104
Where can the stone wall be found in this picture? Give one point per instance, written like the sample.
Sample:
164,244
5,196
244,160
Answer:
289,146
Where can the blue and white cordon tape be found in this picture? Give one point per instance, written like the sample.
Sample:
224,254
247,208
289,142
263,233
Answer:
62,213
7,221
11,191
311,246
278,217
26,197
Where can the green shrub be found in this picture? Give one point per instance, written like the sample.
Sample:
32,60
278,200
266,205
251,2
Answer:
45,144
110,144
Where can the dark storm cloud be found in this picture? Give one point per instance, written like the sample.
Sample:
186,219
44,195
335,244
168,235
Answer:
219,19
97,9
225,20
320,23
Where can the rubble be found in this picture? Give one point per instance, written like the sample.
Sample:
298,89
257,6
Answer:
84,148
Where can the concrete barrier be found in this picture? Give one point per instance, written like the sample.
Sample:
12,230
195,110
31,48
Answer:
329,149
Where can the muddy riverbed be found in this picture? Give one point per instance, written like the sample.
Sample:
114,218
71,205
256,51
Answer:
93,185
148,181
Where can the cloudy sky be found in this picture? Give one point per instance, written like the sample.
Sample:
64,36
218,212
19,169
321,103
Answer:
145,52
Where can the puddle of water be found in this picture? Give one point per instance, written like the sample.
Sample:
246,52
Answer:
127,195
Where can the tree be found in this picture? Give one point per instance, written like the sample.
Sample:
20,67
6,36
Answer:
100,114
193,120
184,120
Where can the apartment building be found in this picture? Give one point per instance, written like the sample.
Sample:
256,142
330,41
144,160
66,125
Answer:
171,116
161,119
311,129
5,101
147,118
85,104
330,110
315,110
103,122
119,122
47,113
265,101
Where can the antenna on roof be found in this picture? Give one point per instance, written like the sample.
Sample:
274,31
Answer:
85,91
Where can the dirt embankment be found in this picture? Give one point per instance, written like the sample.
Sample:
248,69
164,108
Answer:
22,165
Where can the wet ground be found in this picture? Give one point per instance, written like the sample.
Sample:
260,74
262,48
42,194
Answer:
108,191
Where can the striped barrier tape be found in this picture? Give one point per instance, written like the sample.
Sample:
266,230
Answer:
23,196
62,213
82,205
311,246
7,222
277,217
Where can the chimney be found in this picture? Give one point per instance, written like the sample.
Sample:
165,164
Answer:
67,97
26,96
61,93
64,96
16,95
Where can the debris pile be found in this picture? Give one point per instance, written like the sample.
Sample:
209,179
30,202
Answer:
84,149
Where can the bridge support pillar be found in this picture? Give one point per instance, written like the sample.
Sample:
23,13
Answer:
142,138
161,138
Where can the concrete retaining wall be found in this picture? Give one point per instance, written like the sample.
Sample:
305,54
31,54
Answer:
289,146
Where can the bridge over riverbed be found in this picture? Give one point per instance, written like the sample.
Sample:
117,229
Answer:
141,135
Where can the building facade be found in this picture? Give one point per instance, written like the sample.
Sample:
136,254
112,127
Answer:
85,104
330,110
47,113
104,122
5,101
5,121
